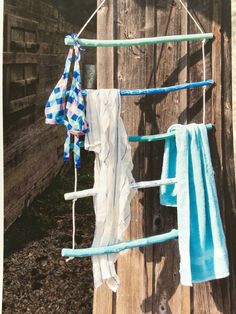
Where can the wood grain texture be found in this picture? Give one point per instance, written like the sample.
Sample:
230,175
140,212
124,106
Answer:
233,23
105,56
208,297
137,60
185,306
150,277
103,301
228,155
1,169
171,69
215,296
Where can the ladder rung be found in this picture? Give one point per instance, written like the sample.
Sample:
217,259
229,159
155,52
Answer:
161,90
81,194
139,185
69,41
151,138
158,137
116,248
152,184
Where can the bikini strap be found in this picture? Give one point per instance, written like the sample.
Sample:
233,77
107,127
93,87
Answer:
56,104
75,110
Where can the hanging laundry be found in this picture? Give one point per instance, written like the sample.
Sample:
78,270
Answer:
202,246
67,108
113,176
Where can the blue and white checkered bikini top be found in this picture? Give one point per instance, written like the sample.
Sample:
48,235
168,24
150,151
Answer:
68,108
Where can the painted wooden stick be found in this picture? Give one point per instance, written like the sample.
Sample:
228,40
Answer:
139,185
151,138
158,137
70,41
116,248
161,90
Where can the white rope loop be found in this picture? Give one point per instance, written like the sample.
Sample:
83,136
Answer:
90,19
204,78
203,58
73,214
76,173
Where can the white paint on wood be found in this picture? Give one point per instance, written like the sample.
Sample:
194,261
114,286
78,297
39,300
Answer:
138,185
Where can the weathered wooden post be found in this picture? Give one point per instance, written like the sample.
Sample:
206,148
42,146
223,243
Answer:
1,168
233,21
150,276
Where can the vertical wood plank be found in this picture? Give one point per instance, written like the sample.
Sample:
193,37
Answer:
183,119
203,14
203,301
103,296
170,296
1,165
228,158
214,297
233,23
134,267
148,113
105,56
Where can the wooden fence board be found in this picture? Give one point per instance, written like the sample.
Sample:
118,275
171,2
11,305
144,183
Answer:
203,296
135,60
229,162
34,57
170,109
233,23
105,79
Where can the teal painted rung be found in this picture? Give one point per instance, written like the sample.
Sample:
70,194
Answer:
70,41
116,248
161,90
151,138
158,137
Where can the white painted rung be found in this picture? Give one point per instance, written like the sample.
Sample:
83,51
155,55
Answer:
152,184
138,185
81,194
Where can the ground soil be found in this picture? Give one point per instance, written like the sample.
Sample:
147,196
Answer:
36,278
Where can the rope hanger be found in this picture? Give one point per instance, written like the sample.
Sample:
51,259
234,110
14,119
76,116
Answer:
71,253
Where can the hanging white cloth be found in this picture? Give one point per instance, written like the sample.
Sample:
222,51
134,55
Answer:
113,176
